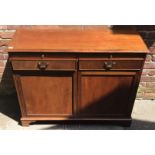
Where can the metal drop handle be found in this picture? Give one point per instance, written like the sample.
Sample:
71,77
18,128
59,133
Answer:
109,65
42,65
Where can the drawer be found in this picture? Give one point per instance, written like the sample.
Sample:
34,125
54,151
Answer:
110,64
44,65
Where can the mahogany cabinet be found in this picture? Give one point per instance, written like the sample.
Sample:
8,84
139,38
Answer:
73,74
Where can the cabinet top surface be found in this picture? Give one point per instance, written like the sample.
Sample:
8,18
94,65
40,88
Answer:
97,40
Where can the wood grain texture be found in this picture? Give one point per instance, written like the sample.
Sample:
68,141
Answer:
117,64
51,65
104,94
47,95
97,40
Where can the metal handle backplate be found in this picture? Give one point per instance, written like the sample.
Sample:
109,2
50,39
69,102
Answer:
109,65
42,65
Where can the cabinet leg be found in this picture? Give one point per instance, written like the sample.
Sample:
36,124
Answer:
25,123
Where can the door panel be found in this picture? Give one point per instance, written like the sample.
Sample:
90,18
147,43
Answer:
48,95
104,93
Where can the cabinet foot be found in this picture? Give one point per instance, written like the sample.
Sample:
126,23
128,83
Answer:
25,123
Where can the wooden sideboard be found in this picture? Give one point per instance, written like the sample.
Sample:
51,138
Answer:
77,74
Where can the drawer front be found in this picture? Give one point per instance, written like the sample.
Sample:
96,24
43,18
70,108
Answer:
110,64
44,65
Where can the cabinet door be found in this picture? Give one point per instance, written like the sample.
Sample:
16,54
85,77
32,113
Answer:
106,93
46,94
